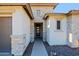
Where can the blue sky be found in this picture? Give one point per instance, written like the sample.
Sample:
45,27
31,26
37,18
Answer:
66,7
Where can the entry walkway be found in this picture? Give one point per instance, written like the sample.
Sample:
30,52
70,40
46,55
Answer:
39,49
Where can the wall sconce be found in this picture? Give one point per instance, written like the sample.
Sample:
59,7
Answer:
48,24
70,37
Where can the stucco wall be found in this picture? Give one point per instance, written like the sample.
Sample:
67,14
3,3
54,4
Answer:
54,36
32,30
69,30
75,31
21,28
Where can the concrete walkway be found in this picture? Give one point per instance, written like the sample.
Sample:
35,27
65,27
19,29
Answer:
39,49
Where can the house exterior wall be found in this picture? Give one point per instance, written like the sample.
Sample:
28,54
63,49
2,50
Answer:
32,31
69,30
54,36
20,37
21,28
75,30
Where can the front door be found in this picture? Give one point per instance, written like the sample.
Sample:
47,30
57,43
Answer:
38,30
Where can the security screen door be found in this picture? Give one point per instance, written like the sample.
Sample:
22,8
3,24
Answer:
38,30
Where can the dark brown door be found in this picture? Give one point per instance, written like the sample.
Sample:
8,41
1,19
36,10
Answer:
38,30
5,32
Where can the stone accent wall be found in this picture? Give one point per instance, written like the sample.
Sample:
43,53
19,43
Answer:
18,44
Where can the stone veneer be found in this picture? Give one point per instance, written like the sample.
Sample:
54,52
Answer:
18,45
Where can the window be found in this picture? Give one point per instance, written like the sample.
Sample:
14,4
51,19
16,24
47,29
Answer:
58,25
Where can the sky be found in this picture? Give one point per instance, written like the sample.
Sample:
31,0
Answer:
66,7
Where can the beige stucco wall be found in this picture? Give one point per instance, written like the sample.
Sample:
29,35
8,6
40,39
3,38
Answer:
74,30
32,30
21,26
54,36
20,37
69,29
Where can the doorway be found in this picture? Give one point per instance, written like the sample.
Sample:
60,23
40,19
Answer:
38,32
5,32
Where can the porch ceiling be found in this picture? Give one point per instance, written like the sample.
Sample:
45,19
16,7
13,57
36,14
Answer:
44,5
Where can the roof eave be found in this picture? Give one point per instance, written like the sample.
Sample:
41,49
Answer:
28,10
